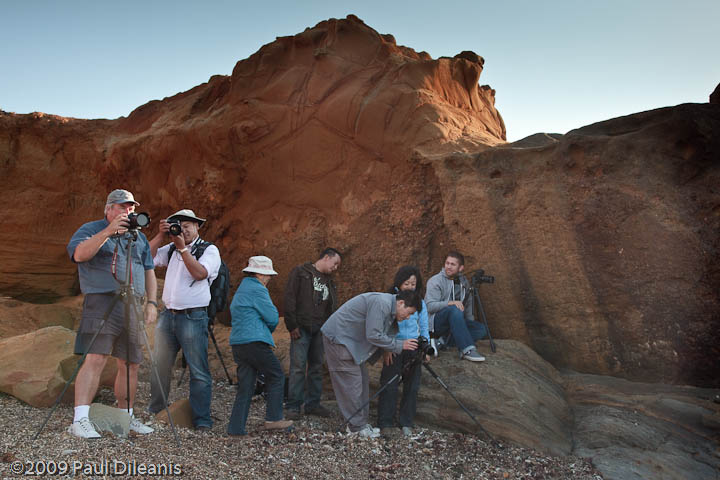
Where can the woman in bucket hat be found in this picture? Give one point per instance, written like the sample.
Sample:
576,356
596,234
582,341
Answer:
254,318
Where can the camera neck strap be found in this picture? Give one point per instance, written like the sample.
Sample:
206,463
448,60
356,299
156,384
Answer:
113,265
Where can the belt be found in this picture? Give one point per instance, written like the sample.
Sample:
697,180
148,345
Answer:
187,310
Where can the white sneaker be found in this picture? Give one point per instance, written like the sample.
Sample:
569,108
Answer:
83,428
366,432
138,427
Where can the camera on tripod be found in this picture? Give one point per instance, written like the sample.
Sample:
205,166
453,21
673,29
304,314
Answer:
480,277
423,348
175,228
138,220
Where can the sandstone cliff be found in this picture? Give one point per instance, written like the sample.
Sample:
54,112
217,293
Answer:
603,241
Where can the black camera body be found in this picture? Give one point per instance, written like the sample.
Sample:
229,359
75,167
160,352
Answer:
423,348
175,228
137,221
480,277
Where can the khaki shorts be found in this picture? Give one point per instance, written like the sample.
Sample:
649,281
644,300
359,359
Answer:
113,337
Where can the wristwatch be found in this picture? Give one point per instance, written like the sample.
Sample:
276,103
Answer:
183,250
152,302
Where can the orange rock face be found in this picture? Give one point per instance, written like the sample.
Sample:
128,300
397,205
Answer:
603,241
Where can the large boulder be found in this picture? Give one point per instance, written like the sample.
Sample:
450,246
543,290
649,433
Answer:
36,366
635,430
514,395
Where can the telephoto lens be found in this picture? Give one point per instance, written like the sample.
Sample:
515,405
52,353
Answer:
175,228
138,220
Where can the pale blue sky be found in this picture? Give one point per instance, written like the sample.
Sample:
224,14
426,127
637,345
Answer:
556,65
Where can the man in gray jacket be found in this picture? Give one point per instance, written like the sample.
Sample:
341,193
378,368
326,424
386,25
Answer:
357,333
450,308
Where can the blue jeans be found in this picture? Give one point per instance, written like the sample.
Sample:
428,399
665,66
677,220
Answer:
387,403
306,353
251,359
188,332
464,333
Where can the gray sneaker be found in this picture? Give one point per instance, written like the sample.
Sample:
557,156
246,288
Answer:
407,431
83,428
473,356
366,432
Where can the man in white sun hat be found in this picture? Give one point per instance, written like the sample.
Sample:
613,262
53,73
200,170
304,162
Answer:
192,265
254,318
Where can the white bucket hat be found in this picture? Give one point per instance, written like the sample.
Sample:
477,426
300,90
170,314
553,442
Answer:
186,214
260,264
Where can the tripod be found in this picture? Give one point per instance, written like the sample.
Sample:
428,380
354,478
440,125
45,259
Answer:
217,349
407,367
476,296
126,292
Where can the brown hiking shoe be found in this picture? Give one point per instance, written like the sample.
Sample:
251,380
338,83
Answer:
278,425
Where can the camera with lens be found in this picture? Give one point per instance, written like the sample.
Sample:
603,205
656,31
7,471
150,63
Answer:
175,228
423,348
138,220
480,277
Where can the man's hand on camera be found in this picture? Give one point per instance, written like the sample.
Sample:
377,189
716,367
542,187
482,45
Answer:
295,334
458,304
150,313
410,344
164,227
118,225
179,241
388,358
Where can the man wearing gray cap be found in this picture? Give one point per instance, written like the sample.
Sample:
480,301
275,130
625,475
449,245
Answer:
99,249
192,265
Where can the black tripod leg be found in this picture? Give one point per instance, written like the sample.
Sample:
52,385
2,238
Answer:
436,377
217,349
487,327
396,377
79,365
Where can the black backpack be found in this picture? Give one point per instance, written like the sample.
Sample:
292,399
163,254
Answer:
219,288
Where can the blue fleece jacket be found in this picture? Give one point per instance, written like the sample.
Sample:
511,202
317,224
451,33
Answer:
254,317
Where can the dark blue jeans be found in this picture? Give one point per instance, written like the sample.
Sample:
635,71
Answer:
387,403
189,332
306,354
251,359
464,333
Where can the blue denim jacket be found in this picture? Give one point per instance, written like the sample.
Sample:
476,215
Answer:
254,317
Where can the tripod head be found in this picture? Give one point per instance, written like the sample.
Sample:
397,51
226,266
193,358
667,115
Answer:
424,348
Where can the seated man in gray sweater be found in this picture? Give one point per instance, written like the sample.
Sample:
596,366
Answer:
357,333
450,308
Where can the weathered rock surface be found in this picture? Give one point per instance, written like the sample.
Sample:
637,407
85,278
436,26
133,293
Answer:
515,395
638,430
603,241
35,367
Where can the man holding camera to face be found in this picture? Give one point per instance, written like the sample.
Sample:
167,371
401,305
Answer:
192,265
99,249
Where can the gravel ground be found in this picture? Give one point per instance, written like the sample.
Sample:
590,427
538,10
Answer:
313,450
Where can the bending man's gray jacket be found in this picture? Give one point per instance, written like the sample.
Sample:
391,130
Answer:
364,324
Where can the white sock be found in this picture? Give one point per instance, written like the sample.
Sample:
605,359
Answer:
81,411
131,412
